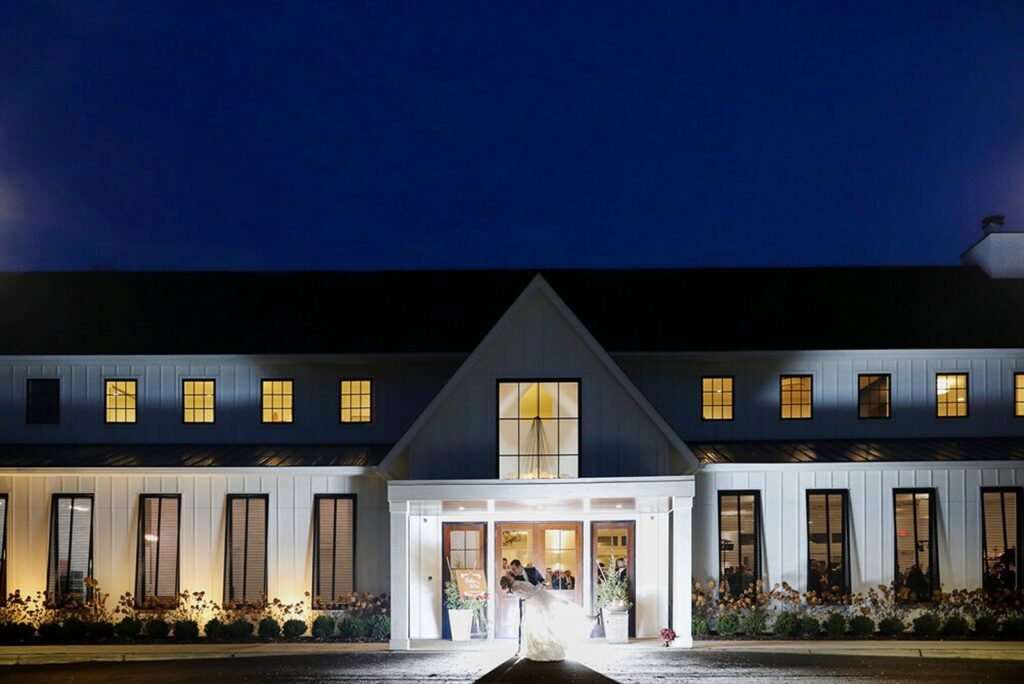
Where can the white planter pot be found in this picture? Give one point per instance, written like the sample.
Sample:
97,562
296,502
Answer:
461,622
616,626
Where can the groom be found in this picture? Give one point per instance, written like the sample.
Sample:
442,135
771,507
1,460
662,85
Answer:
521,574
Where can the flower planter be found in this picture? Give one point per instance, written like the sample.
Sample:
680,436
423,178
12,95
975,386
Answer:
616,626
461,622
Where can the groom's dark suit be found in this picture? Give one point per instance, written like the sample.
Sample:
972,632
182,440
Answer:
533,576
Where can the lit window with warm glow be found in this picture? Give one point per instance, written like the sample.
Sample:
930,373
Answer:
951,395
796,397
198,398
121,401
355,401
538,429
873,399
276,400
716,398
1018,394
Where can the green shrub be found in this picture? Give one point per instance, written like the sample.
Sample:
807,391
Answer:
293,628
379,628
99,631
699,627
987,626
926,626
240,629
1013,628
809,626
955,626
50,631
728,624
186,630
157,628
269,628
754,623
351,628
862,625
785,624
19,632
835,625
891,626
216,630
128,628
323,627
74,630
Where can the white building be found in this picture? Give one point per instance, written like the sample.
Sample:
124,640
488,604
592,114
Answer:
255,434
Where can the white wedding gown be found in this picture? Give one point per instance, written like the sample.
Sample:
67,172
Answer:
552,626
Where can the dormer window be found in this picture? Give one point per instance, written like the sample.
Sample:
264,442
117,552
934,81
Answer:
538,429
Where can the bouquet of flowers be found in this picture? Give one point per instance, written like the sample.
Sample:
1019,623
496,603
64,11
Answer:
668,635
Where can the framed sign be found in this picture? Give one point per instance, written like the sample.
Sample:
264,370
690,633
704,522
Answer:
471,583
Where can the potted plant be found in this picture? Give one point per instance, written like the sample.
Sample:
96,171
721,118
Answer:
462,610
613,600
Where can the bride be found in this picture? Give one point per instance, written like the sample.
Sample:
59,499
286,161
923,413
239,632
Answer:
550,625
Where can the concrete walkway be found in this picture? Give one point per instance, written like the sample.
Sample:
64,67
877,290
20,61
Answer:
48,655
985,650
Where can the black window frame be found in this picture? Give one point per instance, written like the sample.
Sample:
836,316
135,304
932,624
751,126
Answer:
967,395
783,376
933,541
888,392
229,600
317,500
758,533
30,419
1018,404
277,422
496,412
183,395
371,394
61,599
106,421
1019,492
844,496
4,527
140,554
732,398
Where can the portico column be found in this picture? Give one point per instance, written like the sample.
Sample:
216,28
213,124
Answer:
682,559
399,575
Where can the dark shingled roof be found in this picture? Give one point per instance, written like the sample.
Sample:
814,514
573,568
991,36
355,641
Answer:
854,450
451,311
189,455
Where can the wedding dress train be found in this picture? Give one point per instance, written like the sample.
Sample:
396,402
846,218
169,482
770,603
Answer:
551,626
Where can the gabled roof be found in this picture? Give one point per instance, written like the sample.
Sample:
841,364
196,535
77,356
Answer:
862,450
538,286
654,310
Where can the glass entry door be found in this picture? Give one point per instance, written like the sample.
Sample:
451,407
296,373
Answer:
612,545
464,547
555,550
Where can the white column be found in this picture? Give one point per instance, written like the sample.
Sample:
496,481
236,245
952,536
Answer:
492,579
399,575
682,558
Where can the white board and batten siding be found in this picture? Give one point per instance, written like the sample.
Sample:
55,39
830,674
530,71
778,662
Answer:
783,490
203,503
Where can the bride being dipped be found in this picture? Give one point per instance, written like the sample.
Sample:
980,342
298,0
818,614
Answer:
551,625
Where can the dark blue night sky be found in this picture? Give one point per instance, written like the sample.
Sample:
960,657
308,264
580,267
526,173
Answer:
258,135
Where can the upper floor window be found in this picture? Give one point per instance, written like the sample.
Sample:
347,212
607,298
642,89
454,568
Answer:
917,558
42,401
951,395
277,400
716,398
121,400
334,542
198,400
245,557
355,401
796,397
538,429
156,567
70,561
1018,394
739,540
873,396
1001,538
828,547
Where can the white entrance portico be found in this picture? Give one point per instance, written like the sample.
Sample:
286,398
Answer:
657,511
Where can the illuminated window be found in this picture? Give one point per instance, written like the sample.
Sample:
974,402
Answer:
873,396
1018,394
355,401
42,401
156,566
121,401
70,558
538,429
828,566
334,542
3,549
796,397
739,540
245,561
917,567
277,401
199,397
951,395
716,398
1001,538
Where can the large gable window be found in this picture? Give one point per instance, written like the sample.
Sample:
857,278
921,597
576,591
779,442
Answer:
245,562
538,429
156,569
70,562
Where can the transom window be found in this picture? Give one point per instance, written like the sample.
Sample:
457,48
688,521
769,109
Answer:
917,569
873,398
355,401
716,398
538,429
796,397
739,541
277,400
42,401
828,571
198,399
156,567
121,401
1018,394
951,395
1001,538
